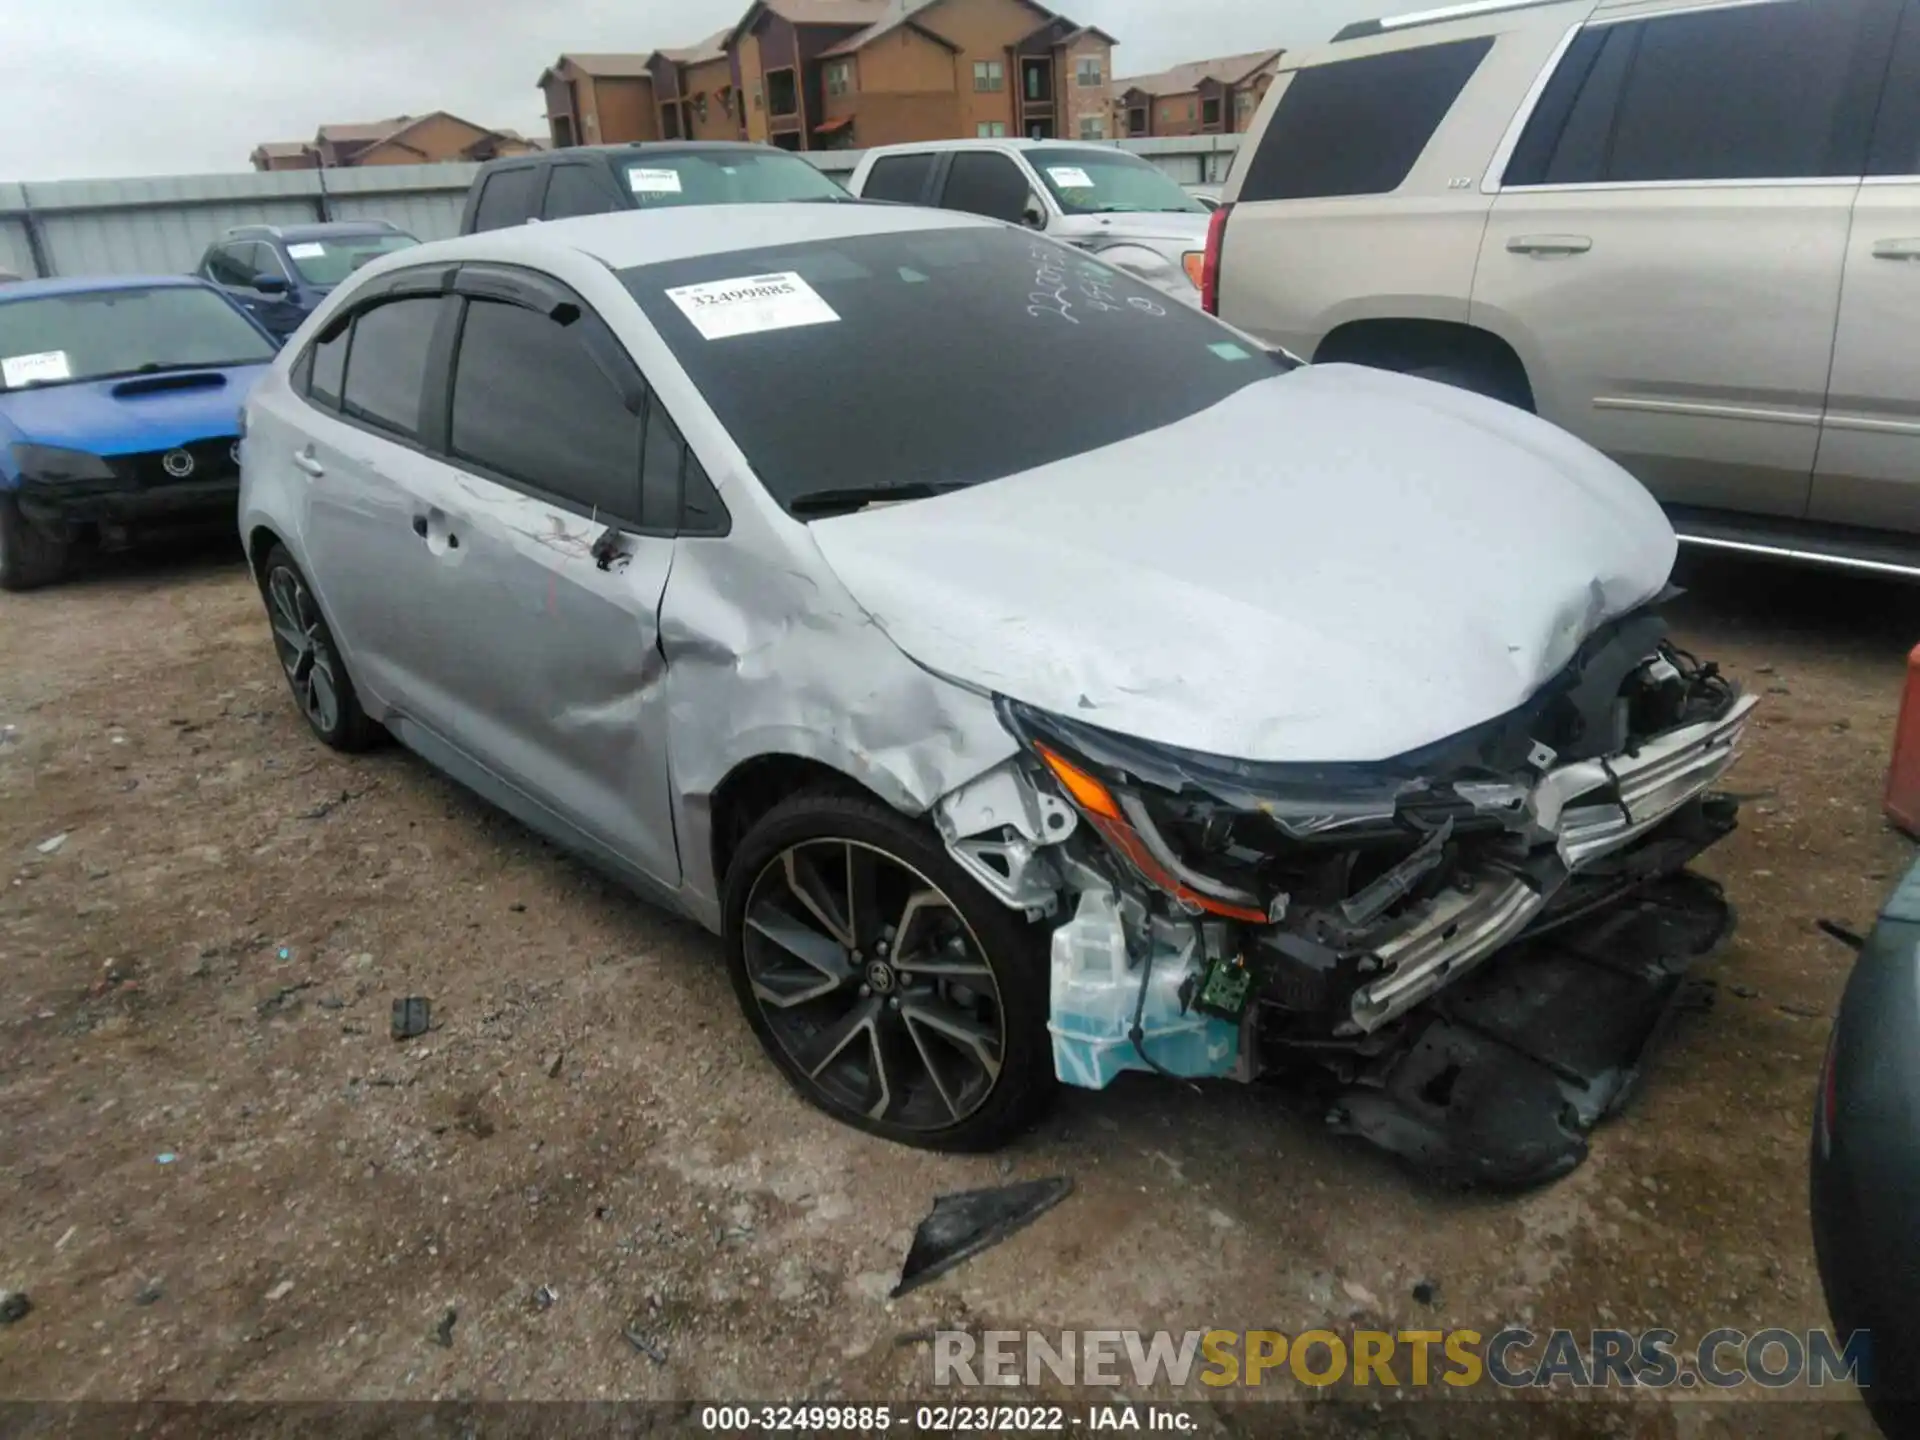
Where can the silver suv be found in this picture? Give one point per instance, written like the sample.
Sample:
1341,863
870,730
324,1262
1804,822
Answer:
1687,232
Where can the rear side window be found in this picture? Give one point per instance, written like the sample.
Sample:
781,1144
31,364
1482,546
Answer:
328,359
898,177
387,363
1356,127
532,405
506,198
576,190
984,183
1784,90
1896,143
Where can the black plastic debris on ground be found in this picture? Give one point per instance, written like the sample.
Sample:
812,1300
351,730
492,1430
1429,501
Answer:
963,1225
411,1017
443,1332
14,1306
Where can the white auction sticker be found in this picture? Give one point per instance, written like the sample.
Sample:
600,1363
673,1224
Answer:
20,371
1070,177
721,309
306,251
653,182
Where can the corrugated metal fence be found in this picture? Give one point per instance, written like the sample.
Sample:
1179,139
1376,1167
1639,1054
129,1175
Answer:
163,225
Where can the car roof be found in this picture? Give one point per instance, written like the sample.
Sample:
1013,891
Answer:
1004,142
639,237
636,147
94,284
314,231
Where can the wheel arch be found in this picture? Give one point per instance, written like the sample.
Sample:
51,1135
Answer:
1415,343
758,783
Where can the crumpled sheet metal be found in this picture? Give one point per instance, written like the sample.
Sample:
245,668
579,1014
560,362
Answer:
768,661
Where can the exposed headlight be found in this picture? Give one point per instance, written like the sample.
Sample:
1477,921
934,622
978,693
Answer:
51,462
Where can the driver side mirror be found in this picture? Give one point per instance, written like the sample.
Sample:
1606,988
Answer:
1034,217
270,284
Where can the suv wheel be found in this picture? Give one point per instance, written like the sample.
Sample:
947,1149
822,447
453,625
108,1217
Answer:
891,990
311,660
1465,375
29,557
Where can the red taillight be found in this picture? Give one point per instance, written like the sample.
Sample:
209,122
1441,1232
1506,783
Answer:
1210,267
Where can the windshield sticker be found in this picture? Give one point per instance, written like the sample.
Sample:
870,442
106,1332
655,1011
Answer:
1070,177
653,182
20,371
307,250
752,305
1227,350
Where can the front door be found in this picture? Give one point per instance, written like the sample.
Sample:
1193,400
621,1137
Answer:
1668,243
1868,472
547,535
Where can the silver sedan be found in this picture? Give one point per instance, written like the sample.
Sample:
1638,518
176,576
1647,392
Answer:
1030,678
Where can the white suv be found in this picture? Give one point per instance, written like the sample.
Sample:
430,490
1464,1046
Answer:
1688,232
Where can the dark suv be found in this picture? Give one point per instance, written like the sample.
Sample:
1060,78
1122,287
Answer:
281,272
598,179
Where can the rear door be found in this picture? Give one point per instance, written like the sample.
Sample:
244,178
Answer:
1868,471
509,196
1666,250
545,539
986,182
905,179
366,461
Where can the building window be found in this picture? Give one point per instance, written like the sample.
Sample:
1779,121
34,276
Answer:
782,96
991,129
759,99
1189,109
989,75
1210,113
839,77
1093,127
1137,121
1087,71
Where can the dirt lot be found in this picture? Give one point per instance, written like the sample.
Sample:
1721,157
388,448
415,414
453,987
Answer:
222,1178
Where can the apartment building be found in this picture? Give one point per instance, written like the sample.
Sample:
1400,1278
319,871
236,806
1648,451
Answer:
600,99
402,140
1204,97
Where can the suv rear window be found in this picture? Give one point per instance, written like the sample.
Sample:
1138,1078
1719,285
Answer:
1042,353
1356,127
506,198
722,177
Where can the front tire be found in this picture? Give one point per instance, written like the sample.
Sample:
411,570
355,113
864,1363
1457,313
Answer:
29,558
311,661
891,990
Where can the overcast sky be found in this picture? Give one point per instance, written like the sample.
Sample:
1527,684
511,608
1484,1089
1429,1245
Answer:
100,88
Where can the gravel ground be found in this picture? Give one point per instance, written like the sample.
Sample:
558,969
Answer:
222,1178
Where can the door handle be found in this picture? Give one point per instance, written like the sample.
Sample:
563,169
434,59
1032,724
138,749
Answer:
304,460
1896,249
1549,245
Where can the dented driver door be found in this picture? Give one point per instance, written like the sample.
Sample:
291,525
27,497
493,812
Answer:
546,670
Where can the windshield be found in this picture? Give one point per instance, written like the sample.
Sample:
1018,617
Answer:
725,177
922,361
1098,182
329,261
62,339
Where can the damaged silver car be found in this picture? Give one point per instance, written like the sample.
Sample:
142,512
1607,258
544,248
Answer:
1030,679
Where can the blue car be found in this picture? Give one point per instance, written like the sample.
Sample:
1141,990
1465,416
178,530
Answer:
280,273
119,413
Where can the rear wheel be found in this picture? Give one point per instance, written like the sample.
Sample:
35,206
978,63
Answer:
1467,375
891,990
310,659
29,557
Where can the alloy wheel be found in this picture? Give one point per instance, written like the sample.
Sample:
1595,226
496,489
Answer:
873,985
300,638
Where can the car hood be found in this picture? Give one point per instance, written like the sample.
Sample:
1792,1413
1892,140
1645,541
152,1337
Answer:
1337,564
134,413
1187,230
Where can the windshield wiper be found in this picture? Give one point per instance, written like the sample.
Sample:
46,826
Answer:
818,503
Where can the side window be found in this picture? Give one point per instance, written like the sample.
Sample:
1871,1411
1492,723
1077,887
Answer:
506,198
328,361
1749,92
576,190
266,261
660,467
984,183
899,177
1356,127
531,404
1896,142
387,363
701,509
229,264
